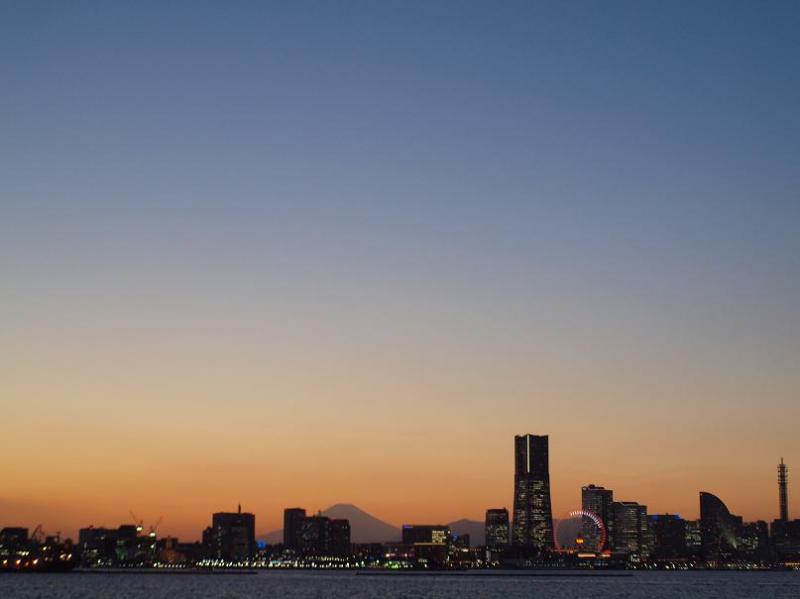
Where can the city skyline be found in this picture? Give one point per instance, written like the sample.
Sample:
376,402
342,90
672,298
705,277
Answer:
597,499
304,253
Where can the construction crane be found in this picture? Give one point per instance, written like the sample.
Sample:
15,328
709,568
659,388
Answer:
38,534
153,527
139,523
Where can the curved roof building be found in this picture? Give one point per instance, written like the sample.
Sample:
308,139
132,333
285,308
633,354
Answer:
718,528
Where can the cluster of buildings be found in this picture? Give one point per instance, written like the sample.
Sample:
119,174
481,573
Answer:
315,535
624,531
604,532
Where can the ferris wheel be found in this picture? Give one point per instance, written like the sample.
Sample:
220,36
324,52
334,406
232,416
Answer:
571,532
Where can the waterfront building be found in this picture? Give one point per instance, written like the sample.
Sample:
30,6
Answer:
497,528
292,527
718,529
669,536
532,526
231,537
339,538
631,529
598,501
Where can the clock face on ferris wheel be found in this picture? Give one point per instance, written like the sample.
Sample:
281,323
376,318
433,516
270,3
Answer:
582,530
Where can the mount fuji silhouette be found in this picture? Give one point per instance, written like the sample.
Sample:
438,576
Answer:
366,528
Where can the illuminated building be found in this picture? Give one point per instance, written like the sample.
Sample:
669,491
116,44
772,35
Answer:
97,545
597,500
12,539
533,519
116,546
718,528
752,540
436,534
497,528
231,537
693,538
631,529
430,543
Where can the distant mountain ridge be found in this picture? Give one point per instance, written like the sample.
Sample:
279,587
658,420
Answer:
366,528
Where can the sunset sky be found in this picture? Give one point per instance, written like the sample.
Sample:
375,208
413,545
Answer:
302,253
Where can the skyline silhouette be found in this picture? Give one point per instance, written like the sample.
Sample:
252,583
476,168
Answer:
368,524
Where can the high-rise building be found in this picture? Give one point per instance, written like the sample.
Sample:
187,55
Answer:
533,518
316,536
497,528
231,537
631,529
315,533
718,528
598,501
783,492
669,536
339,538
292,525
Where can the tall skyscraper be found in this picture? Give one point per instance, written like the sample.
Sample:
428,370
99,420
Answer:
597,500
533,516
783,491
497,527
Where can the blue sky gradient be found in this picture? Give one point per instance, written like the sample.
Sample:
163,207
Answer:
567,207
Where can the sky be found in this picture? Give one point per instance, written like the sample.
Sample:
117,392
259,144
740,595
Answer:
302,253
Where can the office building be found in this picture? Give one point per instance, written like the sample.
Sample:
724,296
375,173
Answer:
598,501
533,519
631,529
497,528
429,543
292,526
431,534
339,538
231,537
669,536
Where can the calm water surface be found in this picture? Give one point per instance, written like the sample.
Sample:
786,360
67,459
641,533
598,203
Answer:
655,585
